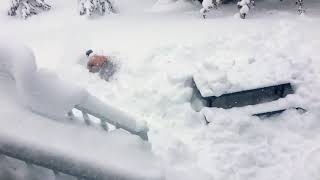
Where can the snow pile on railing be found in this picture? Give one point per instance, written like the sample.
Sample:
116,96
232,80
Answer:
40,90
44,145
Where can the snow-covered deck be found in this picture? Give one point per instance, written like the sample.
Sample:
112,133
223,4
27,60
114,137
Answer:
116,154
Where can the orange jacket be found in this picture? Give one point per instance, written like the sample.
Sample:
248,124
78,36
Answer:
96,62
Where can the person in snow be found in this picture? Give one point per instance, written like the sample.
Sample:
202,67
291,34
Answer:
100,64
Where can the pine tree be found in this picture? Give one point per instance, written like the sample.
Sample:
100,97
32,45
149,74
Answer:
244,6
100,7
27,8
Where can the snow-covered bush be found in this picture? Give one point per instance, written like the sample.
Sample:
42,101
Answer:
27,8
100,7
207,5
301,9
244,6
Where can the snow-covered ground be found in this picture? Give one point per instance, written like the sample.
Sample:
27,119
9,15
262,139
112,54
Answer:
161,46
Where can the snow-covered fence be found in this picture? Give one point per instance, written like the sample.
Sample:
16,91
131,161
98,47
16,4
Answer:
107,114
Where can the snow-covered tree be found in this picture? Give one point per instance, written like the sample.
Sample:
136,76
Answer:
100,7
244,6
27,8
301,9
207,5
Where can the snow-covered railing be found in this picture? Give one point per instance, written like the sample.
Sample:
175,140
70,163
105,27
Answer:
58,164
61,164
46,94
109,115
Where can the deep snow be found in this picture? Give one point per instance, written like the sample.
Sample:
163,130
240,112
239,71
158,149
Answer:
40,90
161,46
116,152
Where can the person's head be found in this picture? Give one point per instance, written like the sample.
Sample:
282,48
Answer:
89,52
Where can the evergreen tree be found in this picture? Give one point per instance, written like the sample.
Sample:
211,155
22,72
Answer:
207,5
301,9
27,8
100,7
244,6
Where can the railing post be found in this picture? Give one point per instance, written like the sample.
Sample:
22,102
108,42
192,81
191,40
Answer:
56,175
86,118
71,116
104,124
2,157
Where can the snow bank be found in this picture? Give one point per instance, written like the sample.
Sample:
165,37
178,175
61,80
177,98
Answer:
248,148
40,90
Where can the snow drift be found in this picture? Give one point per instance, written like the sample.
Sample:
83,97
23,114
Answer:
39,89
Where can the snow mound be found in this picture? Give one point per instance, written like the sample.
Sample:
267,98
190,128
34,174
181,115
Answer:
39,89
